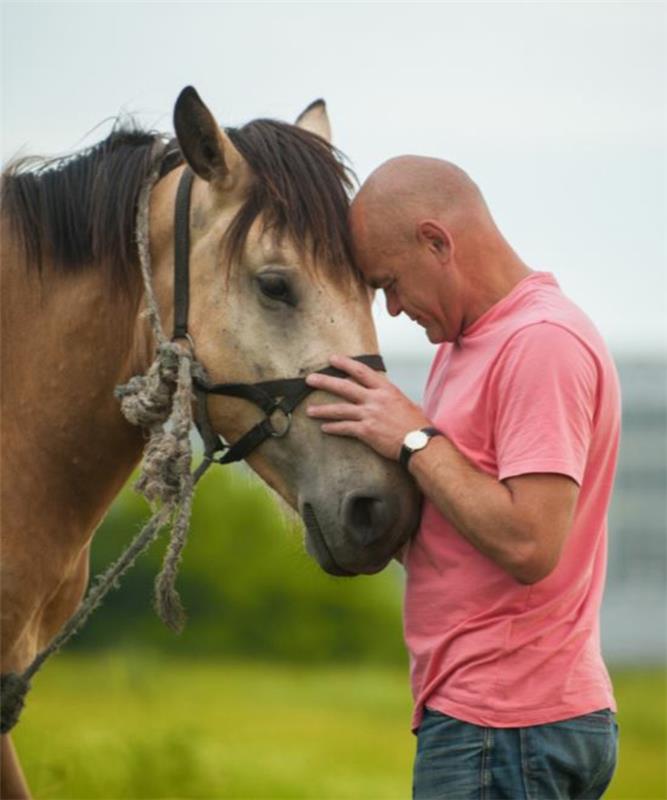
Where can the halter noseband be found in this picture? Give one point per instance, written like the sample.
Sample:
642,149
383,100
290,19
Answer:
282,395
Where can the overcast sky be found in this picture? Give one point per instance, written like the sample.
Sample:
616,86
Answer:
557,110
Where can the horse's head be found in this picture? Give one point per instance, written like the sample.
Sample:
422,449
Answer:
273,293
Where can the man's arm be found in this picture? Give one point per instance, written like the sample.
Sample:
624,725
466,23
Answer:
520,523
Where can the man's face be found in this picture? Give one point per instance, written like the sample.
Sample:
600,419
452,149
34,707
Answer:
411,277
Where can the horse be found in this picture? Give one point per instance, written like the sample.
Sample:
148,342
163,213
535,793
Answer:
273,292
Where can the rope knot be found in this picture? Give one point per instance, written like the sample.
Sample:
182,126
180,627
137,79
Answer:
146,399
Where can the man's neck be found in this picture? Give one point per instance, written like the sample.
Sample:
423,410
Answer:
491,279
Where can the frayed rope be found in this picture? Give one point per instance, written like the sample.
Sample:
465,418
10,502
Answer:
161,402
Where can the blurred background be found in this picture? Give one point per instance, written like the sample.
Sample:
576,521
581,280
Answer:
286,682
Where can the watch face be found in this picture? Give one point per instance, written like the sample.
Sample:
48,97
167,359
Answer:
415,440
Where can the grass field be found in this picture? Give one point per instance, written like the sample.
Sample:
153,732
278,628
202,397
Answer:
137,726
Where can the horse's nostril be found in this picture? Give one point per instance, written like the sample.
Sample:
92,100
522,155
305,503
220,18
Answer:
363,512
367,517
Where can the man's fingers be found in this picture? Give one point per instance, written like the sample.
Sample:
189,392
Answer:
346,428
340,386
335,411
360,372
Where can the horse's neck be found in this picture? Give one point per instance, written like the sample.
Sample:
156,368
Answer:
67,342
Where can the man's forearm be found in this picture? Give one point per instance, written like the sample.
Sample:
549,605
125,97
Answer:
480,507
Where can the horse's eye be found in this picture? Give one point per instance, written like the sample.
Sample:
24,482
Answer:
276,287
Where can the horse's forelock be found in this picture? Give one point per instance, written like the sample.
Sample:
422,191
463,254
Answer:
300,188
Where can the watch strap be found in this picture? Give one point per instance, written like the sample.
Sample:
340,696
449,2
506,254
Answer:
406,452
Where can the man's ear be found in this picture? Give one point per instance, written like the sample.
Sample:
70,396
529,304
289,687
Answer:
315,119
207,149
436,237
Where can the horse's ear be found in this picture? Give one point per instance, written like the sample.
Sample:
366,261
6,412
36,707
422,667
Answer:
206,148
315,119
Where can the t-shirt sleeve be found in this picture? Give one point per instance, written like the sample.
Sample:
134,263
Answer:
545,384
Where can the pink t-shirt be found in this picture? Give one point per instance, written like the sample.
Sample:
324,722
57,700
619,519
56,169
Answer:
529,387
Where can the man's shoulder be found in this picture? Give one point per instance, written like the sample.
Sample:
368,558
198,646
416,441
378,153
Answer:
549,319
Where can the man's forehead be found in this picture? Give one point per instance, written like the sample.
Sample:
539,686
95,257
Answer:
368,238
357,216
373,250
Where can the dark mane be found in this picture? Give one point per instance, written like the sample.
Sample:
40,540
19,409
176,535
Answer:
80,210
301,189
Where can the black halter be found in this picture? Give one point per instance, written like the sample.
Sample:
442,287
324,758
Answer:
271,396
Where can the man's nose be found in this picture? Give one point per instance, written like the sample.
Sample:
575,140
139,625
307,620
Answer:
393,305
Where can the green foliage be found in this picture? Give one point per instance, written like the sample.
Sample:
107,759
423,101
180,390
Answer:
134,725
247,584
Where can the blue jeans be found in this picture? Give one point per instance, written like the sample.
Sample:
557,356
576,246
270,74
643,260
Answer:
571,759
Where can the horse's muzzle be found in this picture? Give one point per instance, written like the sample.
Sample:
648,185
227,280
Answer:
363,540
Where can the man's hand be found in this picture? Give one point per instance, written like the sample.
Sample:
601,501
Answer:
374,410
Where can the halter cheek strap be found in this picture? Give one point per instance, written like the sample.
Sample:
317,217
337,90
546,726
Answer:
273,396
182,254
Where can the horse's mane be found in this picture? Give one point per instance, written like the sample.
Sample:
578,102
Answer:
79,210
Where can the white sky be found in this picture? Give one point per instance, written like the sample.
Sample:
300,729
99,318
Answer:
557,110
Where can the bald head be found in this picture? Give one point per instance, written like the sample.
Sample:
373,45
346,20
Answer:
422,233
407,189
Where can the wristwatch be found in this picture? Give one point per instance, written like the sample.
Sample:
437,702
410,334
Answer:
414,441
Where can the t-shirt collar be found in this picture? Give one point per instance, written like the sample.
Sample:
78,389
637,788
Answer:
504,305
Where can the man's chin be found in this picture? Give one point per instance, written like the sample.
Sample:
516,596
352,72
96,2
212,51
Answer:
435,336
434,333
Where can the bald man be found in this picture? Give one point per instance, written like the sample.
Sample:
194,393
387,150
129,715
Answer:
514,450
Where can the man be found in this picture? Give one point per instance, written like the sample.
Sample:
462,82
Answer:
505,575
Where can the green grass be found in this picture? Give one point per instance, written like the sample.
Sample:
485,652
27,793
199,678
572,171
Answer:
125,726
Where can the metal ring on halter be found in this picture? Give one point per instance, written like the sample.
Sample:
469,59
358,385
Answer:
278,433
189,339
